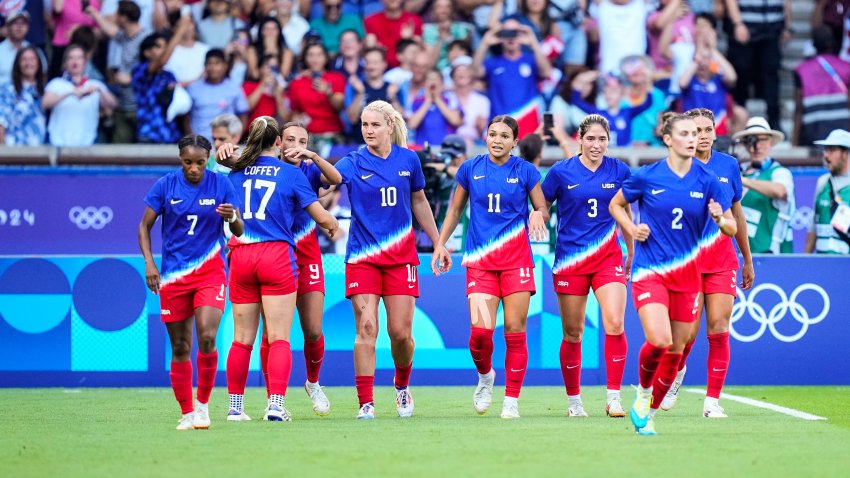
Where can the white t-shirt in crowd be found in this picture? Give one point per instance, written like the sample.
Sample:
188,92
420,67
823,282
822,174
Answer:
73,121
622,32
187,64
476,106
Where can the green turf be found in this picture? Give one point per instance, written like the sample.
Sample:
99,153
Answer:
130,432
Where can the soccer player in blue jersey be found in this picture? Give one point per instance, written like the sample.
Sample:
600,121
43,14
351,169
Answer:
385,187
499,265
264,274
588,255
192,203
720,268
675,199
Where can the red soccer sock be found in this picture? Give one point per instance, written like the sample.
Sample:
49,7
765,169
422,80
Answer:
238,361
616,348
207,367
571,366
648,360
181,383
264,362
314,353
718,363
365,386
516,361
481,348
402,375
685,353
665,377
280,366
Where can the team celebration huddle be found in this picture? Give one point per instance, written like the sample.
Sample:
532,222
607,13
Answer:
679,256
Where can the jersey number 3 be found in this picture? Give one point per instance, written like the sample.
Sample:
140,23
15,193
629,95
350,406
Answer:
260,213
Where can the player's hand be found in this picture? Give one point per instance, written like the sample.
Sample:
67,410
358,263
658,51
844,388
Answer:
296,152
152,278
537,227
640,232
333,229
225,151
628,266
441,260
715,209
226,211
748,275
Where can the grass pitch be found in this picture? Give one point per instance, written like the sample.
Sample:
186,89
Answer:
130,432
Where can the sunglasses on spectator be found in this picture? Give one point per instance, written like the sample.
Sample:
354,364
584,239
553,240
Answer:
333,6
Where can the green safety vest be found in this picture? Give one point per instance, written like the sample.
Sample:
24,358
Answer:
828,241
768,228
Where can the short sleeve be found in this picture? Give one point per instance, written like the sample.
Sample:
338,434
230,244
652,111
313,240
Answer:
737,186
314,176
417,176
345,166
551,185
783,176
462,175
633,187
624,172
155,199
532,176
301,192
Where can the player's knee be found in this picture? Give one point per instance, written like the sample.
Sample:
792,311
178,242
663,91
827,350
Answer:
573,333
367,328
614,326
181,349
206,341
312,335
661,341
401,336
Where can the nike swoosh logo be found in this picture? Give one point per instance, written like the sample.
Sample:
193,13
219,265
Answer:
658,191
316,361
367,176
515,370
220,298
314,282
410,286
571,186
620,360
662,383
718,369
477,177
618,274
524,281
570,367
177,201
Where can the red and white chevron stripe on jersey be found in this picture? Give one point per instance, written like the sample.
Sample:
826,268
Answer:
583,261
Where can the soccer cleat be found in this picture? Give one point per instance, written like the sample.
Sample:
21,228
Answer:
639,413
510,408
576,409
186,422
321,404
237,416
483,396
714,411
648,429
367,412
202,416
276,413
404,402
673,394
614,408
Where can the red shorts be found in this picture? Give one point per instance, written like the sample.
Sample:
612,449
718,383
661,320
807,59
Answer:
681,306
381,280
723,282
311,277
580,284
500,283
263,268
177,305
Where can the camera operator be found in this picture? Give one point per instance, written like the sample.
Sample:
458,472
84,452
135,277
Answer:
768,200
440,170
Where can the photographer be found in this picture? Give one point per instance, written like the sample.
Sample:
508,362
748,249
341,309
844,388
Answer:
831,194
440,170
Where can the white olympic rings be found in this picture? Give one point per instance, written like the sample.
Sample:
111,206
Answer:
90,217
786,304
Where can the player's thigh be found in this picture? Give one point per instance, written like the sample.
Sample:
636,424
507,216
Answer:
483,309
612,297
399,315
516,311
279,312
573,311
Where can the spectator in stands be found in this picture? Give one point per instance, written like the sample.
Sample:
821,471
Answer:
293,26
215,94
226,128
147,8
68,15
481,11
535,13
266,97
434,112
237,54
638,72
474,106
349,61
187,60
705,84
154,88
359,93
571,20
333,23
87,38
821,91
75,102
17,27
832,14
388,27
620,116
269,41
833,188
219,28
754,49
768,200
316,97
622,31
671,41
444,29
22,121
407,51
459,53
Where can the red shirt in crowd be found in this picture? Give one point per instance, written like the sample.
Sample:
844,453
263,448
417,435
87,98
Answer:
305,99
266,106
388,31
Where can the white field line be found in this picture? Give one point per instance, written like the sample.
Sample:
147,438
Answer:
759,404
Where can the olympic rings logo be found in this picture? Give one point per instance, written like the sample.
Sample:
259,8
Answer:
90,217
786,304
801,218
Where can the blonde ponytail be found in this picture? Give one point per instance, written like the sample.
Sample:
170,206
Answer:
261,136
398,135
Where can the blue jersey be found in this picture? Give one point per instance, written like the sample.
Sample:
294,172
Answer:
274,191
498,212
303,226
676,211
192,233
379,190
718,252
586,231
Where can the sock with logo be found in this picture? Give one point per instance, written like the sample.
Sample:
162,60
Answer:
402,376
516,361
648,360
314,354
238,361
571,366
718,363
667,368
280,366
685,353
207,367
615,352
481,348
264,361
181,383
365,386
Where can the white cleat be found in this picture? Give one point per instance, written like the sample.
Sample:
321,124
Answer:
576,409
713,411
367,412
237,416
483,396
614,408
673,394
186,422
276,413
202,416
404,402
510,410
321,404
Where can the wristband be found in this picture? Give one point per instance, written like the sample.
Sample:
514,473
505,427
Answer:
721,222
232,218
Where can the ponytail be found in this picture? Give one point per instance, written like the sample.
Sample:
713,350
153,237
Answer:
398,135
261,136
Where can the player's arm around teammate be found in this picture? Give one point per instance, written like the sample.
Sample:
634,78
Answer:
498,255
588,255
192,204
673,196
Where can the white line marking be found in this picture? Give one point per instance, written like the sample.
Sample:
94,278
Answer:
766,405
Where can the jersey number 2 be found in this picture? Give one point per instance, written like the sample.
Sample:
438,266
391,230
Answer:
267,195
677,218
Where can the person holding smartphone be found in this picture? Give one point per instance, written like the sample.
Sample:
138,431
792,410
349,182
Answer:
317,96
265,97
